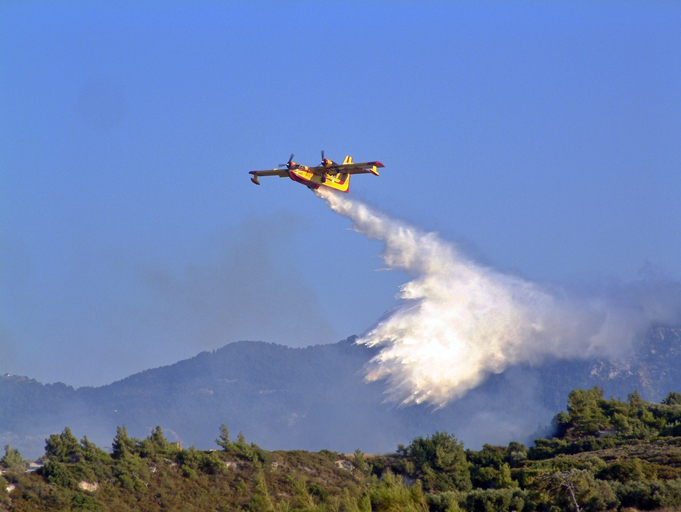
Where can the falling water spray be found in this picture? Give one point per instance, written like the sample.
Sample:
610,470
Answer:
458,321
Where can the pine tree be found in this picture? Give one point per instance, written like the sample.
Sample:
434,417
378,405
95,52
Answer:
223,441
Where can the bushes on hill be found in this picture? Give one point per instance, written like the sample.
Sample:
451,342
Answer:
608,455
589,414
438,461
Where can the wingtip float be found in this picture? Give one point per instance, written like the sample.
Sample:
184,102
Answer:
327,174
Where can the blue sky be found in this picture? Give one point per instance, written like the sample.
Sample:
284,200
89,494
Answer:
542,137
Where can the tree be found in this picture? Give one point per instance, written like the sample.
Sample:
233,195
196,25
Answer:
240,439
63,447
516,453
673,398
92,452
223,441
122,444
440,462
12,458
564,482
505,481
359,463
586,414
578,490
635,400
154,445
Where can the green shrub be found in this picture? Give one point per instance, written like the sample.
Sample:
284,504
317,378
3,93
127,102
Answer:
12,458
651,495
390,493
439,461
188,472
57,473
84,503
641,495
623,471
496,500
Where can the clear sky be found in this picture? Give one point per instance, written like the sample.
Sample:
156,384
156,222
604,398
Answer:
544,137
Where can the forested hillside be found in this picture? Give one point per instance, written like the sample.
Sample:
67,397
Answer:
608,454
315,398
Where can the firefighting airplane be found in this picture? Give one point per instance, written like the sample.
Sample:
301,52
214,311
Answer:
328,173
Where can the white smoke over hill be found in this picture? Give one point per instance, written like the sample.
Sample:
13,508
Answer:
459,321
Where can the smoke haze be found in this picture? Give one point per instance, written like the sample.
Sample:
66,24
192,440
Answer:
459,321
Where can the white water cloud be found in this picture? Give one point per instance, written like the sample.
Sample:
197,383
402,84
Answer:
458,321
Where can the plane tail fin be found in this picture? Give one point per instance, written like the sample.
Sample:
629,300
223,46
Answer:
345,186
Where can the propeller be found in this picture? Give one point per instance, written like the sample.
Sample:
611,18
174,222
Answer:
287,164
323,164
324,161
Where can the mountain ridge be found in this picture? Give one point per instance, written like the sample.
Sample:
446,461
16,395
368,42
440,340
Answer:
316,397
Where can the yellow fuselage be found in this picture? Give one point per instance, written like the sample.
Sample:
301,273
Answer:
338,181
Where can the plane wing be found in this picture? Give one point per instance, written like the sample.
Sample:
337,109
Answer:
282,173
353,168
360,168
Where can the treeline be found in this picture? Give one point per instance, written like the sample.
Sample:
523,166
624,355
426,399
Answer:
606,455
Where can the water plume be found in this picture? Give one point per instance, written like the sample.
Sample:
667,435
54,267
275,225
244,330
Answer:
459,321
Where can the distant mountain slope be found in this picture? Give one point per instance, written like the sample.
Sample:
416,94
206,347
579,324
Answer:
654,370
315,397
297,397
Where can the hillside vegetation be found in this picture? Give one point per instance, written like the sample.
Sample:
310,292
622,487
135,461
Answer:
608,454
310,398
